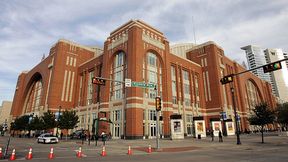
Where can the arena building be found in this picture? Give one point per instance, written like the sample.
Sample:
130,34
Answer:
188,83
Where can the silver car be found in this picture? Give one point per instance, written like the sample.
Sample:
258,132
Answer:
47,138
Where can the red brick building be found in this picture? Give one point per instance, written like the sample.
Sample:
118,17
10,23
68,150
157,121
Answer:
188,85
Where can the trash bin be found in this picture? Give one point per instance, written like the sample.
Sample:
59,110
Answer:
199,136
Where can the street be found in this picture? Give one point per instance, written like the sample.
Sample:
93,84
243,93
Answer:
274,149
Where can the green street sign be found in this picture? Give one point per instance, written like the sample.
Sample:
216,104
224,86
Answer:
142,85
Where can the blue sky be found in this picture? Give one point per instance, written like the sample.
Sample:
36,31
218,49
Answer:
28,28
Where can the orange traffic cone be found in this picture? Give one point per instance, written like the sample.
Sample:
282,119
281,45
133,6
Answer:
103,151
13,156
1,153
79,153
29,155
149,149
129,151
51,154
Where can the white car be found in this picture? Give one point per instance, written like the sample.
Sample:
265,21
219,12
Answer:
47,138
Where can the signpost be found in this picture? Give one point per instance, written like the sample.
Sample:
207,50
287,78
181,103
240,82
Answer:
143,85
223,115
127,82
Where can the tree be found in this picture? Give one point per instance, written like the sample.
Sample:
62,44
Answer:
49,121
36,123
262,116
282,114
22,122
68,120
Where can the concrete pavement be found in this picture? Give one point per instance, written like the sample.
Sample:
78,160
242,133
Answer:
67,149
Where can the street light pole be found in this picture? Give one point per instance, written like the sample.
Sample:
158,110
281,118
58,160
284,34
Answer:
229,79
157,124
235,116
58,120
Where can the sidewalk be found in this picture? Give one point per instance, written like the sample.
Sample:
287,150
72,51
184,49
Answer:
140,147
187,144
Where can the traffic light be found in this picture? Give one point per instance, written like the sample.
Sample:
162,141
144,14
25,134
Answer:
158,103
98,81
227,79
272,67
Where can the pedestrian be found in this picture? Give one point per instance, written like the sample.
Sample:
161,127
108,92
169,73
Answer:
212,134
220,136
61,135
82,136
103,136
96,139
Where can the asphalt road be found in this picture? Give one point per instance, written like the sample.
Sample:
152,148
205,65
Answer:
275,149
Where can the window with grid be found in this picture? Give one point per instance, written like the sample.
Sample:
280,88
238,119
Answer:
117,73
186,88
152,114
116,115
152,73
34,96
174,88
90,88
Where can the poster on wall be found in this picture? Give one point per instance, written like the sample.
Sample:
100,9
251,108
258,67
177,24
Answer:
177,126
230,128
216,126
177,131
200,128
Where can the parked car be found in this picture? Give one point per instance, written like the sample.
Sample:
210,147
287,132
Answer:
37,133
47,138
78,134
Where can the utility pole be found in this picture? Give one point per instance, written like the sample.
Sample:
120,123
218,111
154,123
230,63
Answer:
129,83
235,115
101,82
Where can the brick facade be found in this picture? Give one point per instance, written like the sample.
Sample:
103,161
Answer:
68,84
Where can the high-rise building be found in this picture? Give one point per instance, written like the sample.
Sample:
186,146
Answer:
285,54
279,78
255,58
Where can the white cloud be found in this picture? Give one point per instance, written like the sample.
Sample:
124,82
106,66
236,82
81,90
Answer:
29,28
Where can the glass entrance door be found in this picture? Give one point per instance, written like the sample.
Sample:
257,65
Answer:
116,131
152,129
189,129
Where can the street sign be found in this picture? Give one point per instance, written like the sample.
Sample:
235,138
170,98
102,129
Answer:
99,81
127,82
223,115
238,117
143,85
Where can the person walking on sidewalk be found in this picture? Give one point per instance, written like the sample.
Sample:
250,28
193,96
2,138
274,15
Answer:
61,135
103,136
220,136
212,134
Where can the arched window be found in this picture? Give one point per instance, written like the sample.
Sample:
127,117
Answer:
34,96
152,73
252,95
118,71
